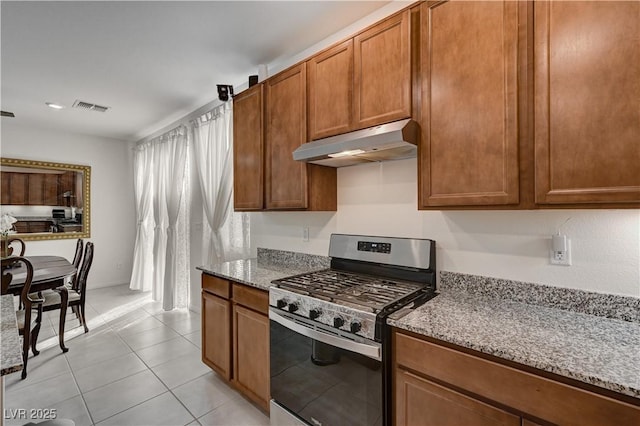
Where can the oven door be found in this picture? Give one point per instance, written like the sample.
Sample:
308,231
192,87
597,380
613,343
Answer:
323,376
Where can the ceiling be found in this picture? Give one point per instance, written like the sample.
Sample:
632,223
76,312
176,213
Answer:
149,61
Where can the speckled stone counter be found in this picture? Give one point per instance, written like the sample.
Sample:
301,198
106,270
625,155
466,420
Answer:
34,218
268,266
11,355
548,335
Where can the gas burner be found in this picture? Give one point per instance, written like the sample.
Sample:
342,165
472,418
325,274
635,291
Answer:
364,292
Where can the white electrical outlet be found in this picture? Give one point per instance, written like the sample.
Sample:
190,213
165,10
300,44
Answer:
305,234
561,257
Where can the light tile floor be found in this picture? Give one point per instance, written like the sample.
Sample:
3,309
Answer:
138,365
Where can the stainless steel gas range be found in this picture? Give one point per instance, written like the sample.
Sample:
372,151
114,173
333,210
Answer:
330,345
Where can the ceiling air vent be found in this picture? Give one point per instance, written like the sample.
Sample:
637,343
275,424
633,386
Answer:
89,106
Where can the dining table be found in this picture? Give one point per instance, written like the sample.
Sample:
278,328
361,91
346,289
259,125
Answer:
49,273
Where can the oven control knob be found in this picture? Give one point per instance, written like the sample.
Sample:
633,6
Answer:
314,313
355,327
338,322
293,307
281,303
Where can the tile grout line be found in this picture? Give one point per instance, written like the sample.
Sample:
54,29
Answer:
84,402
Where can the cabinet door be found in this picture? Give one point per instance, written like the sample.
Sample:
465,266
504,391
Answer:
587,102
248,150
382,74
251,353
39,226
422,402
21,227
67,185
19,186
330,85
469,152
5,195
286,130
50,191
216,334
36,189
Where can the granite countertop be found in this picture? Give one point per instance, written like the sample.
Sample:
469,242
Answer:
34,218
11,356
593,349
268,266
588,337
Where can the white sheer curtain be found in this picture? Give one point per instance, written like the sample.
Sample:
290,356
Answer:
174,176
225,236
162,178
142,274
159,218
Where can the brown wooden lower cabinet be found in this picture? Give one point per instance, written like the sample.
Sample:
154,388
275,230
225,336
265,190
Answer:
32,226
235,336
437,384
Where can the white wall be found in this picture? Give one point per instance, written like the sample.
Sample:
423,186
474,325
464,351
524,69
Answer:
381,199
112,199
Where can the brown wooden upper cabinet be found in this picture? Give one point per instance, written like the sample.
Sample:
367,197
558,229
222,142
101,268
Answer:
330,84
50,190
291,184
15,188
248,149
36,189
67,192
382,72
362,82
587,102
5,182
469,68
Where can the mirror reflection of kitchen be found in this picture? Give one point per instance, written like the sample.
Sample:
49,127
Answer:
43,200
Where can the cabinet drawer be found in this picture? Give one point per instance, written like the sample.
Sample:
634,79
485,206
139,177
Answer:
421,402
525,392
217,286
252,298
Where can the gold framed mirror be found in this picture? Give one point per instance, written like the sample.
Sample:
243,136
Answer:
49,200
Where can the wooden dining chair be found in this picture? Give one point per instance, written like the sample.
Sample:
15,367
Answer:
14,243
27,321
78,256
77,293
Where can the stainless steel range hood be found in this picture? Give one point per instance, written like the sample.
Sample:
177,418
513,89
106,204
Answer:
392,141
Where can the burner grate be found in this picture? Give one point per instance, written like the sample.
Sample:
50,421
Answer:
364,292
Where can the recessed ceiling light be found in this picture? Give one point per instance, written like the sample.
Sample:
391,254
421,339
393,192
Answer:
54,105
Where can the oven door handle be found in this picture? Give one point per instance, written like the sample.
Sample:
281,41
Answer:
372,350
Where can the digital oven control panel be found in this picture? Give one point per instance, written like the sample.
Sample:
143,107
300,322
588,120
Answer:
374,247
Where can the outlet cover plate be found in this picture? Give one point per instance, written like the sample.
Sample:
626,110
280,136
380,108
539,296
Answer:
562,258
